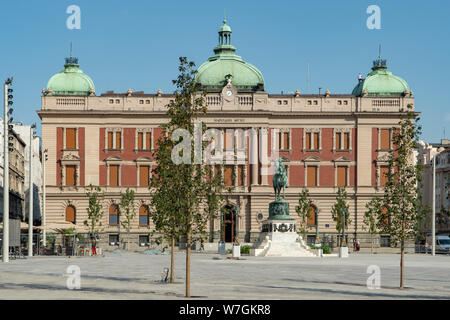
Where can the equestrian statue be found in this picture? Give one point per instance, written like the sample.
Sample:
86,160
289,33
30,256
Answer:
280,179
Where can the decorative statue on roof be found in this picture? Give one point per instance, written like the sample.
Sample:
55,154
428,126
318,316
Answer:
279,179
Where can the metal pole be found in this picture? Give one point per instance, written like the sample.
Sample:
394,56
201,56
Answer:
44,159
433,216
30,193
5,179
316,212
343,227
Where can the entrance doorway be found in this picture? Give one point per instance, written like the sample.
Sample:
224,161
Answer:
229,223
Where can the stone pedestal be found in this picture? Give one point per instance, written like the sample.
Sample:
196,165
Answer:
279,238
236,251
343,252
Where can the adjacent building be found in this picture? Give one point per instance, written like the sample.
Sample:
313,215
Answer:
442,183
326,140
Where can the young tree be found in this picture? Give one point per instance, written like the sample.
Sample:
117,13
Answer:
303,210
94,210
128,210
188,181
340,209
402,200
370,221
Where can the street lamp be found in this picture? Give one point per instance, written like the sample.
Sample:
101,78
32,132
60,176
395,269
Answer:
30,193
316,212
433,216
7,95
344,215
44,159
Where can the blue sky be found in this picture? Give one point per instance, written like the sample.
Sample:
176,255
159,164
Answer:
136,44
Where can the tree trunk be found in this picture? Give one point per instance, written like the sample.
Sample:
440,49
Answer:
172,259
188,264
402,264
371,244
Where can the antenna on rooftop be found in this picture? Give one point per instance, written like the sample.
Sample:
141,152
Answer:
307,77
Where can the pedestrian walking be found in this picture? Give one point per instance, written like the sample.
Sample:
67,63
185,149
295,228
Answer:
357,245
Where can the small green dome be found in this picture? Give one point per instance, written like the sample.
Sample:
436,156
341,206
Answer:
225,64
381,82
70,81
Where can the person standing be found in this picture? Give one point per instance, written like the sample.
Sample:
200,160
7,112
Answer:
94,246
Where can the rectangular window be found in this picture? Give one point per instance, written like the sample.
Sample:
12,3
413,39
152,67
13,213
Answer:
110,140
140,145
311,176
384,170
240,175
385,139
316,140
228,176
144,176
71,138
143,241
118,140
113,176
286,140
113,239
308,141
70,176
385,241
342,176
338,141
148,140
346,140
228,140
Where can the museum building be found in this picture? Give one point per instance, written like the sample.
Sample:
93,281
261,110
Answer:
325,140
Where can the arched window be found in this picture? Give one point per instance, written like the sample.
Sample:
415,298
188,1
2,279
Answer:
70,214
113,214
143,215
311,220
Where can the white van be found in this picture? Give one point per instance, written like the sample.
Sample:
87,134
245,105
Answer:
442,243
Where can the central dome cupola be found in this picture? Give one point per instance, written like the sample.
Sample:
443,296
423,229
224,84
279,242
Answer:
226,66
71,81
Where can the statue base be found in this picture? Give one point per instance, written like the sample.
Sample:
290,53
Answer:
279,238
279,210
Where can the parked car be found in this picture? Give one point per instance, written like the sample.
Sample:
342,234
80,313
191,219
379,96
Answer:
442,243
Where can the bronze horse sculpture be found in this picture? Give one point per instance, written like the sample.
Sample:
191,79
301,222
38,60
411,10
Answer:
279,179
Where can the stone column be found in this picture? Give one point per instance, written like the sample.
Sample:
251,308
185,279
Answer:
254,158
264,155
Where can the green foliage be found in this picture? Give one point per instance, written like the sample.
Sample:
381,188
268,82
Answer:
68,231
184,196
95,209
245,249
127,210
51,238
303,211
326,249
402,200
371,216
339,208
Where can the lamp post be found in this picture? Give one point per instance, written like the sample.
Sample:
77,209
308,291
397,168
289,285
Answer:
7,103
30,193
44,159
344,215
316,212
433,216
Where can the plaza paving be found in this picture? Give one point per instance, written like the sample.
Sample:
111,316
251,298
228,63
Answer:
137,276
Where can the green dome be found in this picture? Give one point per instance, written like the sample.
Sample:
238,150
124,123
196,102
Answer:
225,64
70,81
381,82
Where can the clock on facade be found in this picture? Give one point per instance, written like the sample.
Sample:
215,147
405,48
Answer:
229,93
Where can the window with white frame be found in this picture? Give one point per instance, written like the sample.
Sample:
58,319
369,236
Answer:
144,139
342,139
312,139
114,139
